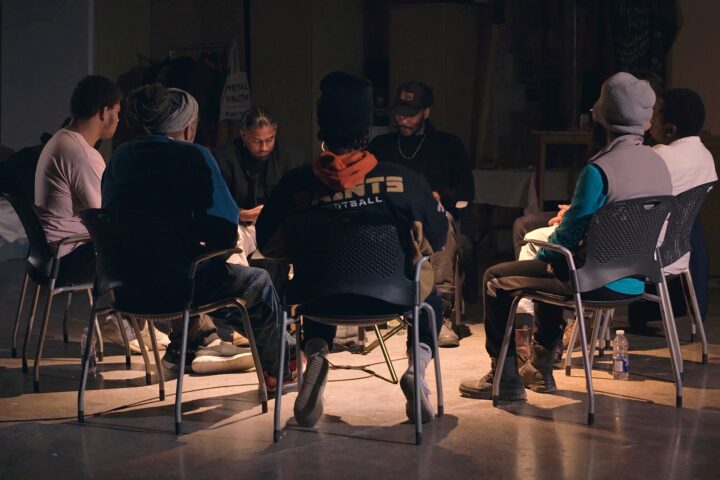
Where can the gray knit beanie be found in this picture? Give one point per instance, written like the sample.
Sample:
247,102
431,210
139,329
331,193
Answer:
625,104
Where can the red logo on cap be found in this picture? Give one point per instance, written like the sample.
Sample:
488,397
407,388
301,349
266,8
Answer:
407,96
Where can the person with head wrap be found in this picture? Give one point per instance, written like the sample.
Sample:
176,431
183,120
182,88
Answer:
168,175
624,169
321,192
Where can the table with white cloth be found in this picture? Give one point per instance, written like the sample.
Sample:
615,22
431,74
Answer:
13,243
515,188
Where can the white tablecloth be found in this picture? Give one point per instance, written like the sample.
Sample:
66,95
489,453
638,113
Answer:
516,188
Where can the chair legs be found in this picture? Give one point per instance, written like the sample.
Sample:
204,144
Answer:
436,357
143,349
28,331
256,356
181,373
123,334
669,326
21,303
580,327
65,317
156,355
694,313
286,321
100,343
281,363
586,358
503,351
86,362
41,341
416,377
386,355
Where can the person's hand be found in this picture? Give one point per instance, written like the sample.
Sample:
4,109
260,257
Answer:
558,218
437,196
250,216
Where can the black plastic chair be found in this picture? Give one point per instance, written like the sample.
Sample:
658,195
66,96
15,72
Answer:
354,272
144,262
675,245
621,242
42,266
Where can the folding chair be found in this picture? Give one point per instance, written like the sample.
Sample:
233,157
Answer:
144,261
356,273
621,242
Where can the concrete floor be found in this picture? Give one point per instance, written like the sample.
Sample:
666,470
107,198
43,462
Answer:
129,433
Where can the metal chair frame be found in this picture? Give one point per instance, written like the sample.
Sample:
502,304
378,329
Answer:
171,316
364,320
576,303
27,215
105,283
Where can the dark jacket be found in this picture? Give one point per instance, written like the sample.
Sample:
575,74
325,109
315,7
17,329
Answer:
390,191
441,159
173,180
251,181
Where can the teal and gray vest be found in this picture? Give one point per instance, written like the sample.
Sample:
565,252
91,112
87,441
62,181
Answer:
632,170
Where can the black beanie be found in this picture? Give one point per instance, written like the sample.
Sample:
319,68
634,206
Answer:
344,109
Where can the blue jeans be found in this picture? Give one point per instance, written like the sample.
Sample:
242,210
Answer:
219,281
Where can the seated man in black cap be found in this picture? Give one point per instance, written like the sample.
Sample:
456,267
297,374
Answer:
344,116
441,158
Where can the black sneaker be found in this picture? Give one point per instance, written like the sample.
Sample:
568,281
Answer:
171,359
309,403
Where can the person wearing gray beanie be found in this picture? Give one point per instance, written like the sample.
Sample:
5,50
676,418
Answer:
624,169
625,104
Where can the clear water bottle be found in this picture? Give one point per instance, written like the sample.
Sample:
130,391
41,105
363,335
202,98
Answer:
620,356
92,367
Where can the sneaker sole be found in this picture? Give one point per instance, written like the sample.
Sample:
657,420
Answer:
505,395
543,388
407,385
309,404
211,364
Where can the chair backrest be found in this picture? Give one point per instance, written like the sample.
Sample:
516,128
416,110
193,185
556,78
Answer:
677,236
622,240
143,259
350,264
40,255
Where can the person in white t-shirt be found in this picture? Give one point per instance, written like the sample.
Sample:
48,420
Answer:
677,119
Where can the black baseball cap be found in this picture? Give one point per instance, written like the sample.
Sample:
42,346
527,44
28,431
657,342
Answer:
411,97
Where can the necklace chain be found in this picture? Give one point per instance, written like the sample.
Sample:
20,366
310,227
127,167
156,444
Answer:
414,154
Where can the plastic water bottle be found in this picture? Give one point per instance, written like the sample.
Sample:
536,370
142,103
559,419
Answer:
92,367
620,356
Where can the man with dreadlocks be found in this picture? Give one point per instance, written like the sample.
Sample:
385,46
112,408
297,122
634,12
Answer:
165,173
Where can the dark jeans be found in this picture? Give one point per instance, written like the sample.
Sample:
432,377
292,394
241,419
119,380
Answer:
501,280
253,285
700,266
312,329
78,266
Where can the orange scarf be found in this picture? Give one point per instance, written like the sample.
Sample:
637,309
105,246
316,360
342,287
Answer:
340,172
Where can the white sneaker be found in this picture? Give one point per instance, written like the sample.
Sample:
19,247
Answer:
111,332
222,357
